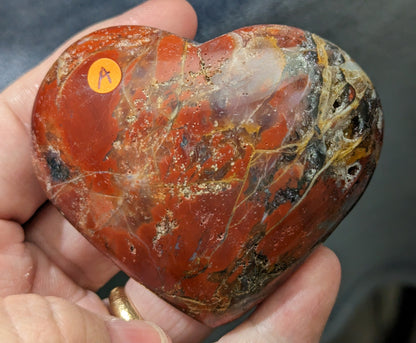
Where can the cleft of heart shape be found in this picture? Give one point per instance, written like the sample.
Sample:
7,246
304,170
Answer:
207,172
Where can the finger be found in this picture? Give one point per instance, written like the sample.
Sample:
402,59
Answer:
178,326
21,195
29,318
20,191
68,249
24,268
299,309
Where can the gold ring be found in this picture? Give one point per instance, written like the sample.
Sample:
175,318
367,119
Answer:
120,305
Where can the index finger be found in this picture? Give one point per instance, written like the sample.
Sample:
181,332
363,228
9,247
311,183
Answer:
21,194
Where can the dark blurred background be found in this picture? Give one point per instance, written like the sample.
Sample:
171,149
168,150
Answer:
376,242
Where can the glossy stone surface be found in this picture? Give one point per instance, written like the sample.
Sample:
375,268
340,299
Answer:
207,172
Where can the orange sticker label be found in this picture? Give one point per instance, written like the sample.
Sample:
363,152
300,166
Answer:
104,75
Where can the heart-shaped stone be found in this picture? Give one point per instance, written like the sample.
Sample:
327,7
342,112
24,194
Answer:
207,172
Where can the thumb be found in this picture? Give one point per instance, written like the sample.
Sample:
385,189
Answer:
31,318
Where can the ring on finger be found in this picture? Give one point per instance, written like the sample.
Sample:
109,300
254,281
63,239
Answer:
120,305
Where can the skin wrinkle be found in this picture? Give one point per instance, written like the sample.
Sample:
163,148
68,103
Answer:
23,271
85,265
10,230
53,278
55,320
48,319
52,252
66,316
62,321
37,261
10,323
13,307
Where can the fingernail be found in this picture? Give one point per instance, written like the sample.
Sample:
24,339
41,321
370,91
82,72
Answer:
135,331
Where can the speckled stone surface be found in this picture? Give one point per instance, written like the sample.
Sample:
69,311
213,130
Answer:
206,171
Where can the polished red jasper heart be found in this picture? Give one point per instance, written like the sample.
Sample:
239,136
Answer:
207,172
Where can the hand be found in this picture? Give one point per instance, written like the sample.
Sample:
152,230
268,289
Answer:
49,272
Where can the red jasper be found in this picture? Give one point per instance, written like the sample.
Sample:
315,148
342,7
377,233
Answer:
207,172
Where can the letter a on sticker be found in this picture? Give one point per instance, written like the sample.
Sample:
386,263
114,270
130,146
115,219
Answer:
104,75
